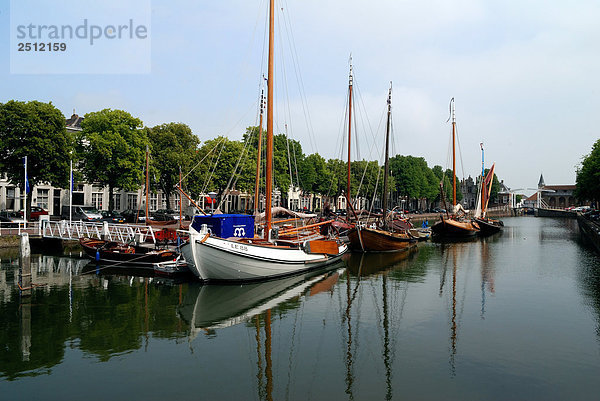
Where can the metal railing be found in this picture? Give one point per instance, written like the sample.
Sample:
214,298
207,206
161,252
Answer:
15,228
79,229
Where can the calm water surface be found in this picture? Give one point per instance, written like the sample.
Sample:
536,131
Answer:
515,316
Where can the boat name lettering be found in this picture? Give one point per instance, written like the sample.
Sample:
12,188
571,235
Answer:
239,247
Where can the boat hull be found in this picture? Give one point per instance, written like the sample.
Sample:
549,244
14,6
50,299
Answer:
139,257
218,259
372,240
489,227
450,228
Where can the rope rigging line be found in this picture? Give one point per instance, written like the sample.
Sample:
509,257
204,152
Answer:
234,173
462,165
374,140
299,80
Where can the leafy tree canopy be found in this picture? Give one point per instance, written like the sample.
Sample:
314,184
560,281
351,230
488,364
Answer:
588,176
36,130
111,150
172,146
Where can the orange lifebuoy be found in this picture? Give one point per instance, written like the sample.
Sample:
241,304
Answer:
130,250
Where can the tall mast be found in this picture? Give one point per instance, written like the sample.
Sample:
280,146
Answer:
270,87
350,79
180,201
386,169
453,152
147,219
483,188
257,183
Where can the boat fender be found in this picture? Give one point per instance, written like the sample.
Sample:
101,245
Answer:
97,255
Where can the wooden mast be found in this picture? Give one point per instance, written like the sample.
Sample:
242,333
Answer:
348,197
147,219
180,202
257,183
270,87
386,169
453,153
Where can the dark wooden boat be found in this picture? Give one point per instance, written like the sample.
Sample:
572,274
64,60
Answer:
488,226
452,227
456,225
384,239
117,253
374,240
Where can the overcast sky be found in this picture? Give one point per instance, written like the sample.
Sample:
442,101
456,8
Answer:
524,75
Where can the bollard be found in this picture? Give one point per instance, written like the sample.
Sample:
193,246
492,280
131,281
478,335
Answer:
104,230
25,268
25,248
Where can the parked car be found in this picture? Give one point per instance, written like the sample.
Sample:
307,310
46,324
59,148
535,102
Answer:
113,217
10,219
35,214
84,213
133,216
439,210
165,215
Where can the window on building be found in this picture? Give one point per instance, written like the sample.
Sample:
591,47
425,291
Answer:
10,198
153,205
132,201
42,198
176,200
78,195
97,200
117,201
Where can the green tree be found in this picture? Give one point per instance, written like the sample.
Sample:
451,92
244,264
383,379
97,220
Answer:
111,150
36,130
588,176
446,177
218,159
173,146
414,178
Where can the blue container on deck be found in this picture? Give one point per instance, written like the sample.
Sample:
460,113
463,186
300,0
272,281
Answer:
226,225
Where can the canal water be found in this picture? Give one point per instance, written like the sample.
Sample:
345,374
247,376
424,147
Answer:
514,316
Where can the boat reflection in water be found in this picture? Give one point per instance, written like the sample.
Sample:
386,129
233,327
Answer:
206,307
385,265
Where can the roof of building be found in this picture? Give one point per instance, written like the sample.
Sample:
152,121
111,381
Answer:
532,197
74,122
541,181
561,187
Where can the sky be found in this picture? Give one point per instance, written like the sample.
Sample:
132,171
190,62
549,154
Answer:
524,74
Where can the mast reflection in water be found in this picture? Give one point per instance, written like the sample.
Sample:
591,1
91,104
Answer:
515,315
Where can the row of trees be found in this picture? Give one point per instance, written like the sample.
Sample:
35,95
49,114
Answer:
110,151
588,176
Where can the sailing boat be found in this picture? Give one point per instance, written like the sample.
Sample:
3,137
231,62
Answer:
367,239
486,226
245,259
456,225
